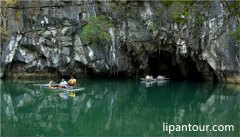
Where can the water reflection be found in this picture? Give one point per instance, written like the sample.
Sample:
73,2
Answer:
116,108
153,83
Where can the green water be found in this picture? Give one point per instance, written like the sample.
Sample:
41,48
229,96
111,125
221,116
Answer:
117,108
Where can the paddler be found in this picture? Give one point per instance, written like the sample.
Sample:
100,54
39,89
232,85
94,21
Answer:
51,84
63,84
72,81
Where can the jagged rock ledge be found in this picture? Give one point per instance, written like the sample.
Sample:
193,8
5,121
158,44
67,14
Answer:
45,37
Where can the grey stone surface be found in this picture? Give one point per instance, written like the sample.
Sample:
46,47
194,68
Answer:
50,39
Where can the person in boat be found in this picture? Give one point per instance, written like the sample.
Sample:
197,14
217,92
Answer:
52,84
148,78
72,81
160,77
63,84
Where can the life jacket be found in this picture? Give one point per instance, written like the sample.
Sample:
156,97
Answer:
72,82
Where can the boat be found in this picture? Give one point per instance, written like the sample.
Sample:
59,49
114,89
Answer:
56,88
151,82
64,93
159,80
69,89
162,79
147,80
154,79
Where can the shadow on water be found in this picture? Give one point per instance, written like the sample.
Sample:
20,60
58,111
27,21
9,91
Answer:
117,108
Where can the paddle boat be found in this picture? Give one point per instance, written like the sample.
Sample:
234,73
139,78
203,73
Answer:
64,93
67,89
159,79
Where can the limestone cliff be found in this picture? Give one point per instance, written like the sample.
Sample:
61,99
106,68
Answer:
194,40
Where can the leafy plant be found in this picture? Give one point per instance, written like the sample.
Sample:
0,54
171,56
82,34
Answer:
5,3
3,34
234,7
181,11
18,14
120,8
236,34
167,3
96,30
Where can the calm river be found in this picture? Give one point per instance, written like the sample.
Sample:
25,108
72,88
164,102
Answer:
120,108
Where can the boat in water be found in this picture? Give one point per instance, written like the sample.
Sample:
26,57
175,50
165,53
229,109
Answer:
154,79
56,88
64,93
160,80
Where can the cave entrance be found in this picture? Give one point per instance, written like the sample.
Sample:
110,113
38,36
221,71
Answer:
165,63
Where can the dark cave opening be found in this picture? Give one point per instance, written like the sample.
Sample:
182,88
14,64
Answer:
165,63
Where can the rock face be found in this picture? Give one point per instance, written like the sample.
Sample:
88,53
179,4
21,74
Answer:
44,38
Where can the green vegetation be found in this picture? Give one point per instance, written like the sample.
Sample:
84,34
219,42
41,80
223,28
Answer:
234,7
96,30
6,3
180,10
18,14
235,11
120,8
167,3
3,34
236,34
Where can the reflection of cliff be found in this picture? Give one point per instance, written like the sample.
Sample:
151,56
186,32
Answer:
219,106
223,105
115,108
